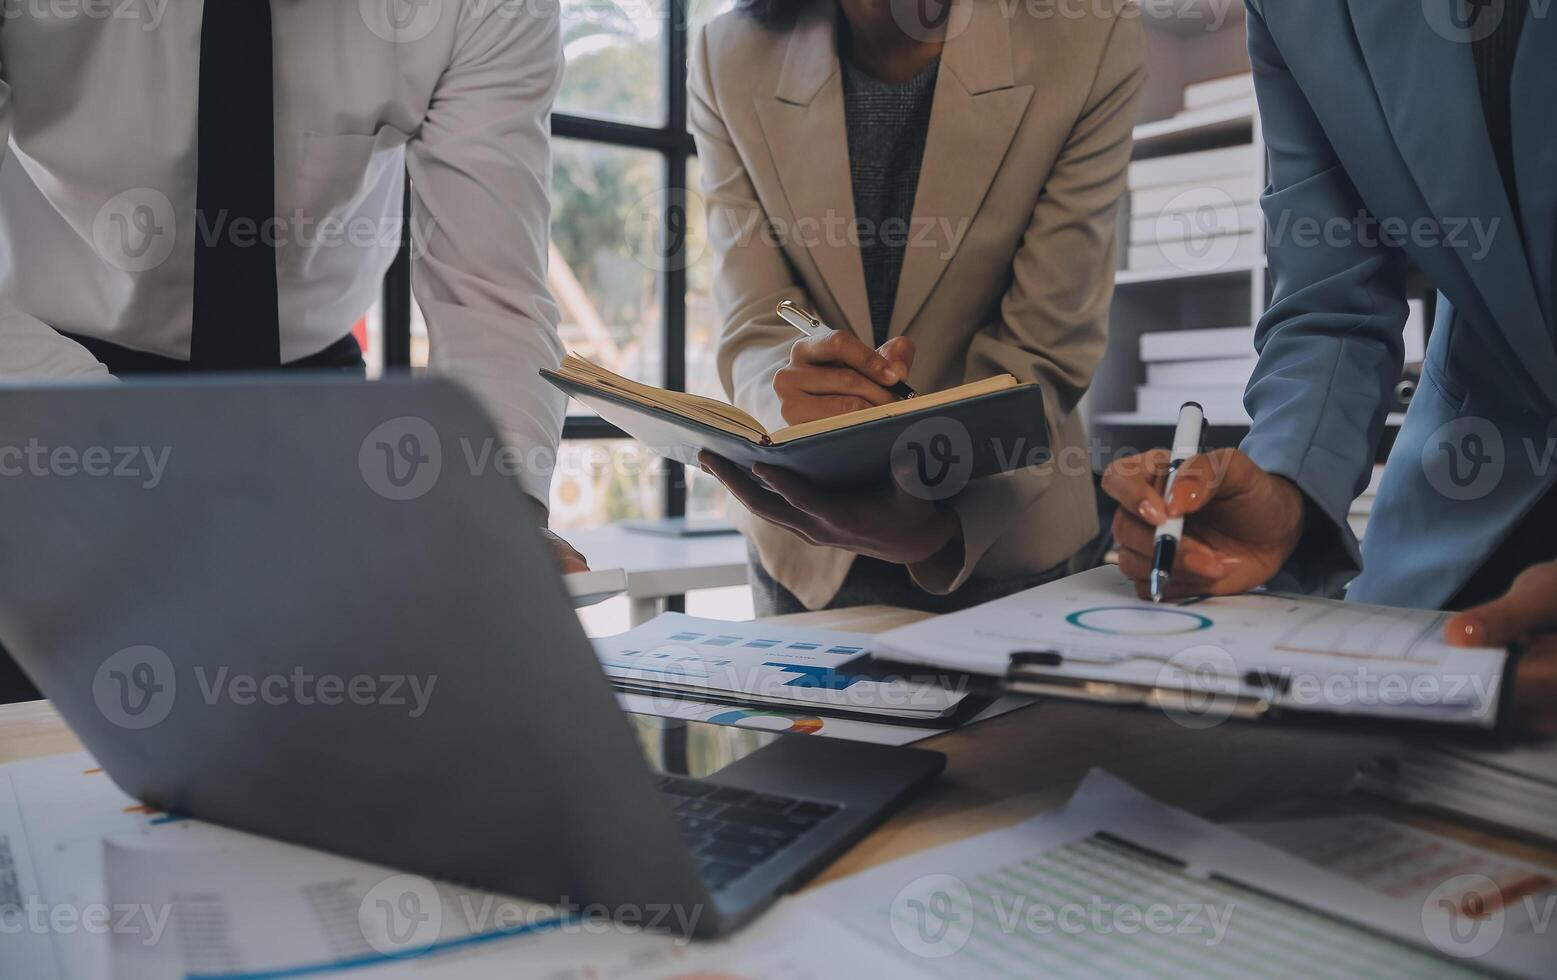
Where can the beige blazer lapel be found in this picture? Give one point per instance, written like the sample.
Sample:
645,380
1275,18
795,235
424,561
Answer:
803,126
976,113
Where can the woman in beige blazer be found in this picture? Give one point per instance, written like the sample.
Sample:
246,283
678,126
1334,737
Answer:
945,194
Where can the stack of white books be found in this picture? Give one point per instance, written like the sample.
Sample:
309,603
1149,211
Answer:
1227,90
1196,211
1211,367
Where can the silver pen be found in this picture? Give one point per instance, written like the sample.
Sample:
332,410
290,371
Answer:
808,324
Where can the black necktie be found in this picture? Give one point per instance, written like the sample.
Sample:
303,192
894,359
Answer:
236,324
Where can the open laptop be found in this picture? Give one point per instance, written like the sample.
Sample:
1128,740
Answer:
319,610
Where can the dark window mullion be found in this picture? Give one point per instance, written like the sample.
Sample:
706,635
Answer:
675,145
674,284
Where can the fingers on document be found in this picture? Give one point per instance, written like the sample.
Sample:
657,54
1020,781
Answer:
1529,607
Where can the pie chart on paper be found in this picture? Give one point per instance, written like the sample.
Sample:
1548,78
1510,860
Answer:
1138,621
768,721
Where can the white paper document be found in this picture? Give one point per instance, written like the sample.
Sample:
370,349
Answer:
1284,651
758,663
1118,885
94,887
1418,868
800,722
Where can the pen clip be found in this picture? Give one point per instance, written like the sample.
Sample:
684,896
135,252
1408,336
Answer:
790,313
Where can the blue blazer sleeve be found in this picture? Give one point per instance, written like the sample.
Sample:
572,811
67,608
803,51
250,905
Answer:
1330,343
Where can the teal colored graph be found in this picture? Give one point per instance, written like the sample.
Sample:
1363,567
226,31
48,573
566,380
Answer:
1138,620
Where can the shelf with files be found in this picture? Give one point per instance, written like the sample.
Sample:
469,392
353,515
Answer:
1191,240
1231,121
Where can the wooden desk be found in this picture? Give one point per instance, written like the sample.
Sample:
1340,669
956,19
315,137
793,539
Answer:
1024,763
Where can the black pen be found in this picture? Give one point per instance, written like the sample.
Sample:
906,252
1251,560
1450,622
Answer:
809,325
1187,437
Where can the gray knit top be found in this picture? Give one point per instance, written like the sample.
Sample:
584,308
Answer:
887,125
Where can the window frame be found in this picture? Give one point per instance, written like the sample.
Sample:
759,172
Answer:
673,143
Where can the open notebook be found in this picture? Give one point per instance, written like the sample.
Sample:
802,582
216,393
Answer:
730,419
997,423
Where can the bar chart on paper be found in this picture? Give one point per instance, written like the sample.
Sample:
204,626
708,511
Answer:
759,664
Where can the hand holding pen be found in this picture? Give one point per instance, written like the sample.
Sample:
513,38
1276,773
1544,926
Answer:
1241,524
833,372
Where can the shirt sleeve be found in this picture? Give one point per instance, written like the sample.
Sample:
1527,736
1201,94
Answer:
480,175
29,349
1330,343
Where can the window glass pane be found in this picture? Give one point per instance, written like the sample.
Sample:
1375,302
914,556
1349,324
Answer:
705,495
702,317
615,52
604,480
704,11
605,206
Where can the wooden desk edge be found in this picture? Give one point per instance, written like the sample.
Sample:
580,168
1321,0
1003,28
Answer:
34,730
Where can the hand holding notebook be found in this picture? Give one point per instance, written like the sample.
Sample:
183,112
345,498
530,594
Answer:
949,437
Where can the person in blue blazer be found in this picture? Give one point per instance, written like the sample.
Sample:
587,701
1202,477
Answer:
1399,133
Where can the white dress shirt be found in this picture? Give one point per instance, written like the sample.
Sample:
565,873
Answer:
98,106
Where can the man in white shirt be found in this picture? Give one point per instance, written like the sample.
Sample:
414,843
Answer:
219,186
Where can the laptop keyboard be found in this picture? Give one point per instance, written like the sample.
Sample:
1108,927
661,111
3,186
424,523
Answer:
731,831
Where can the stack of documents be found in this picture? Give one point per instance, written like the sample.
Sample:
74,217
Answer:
1196,211
1119,885
759,664
1114,884
1089,637
1210,366
1512,789
1414,867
